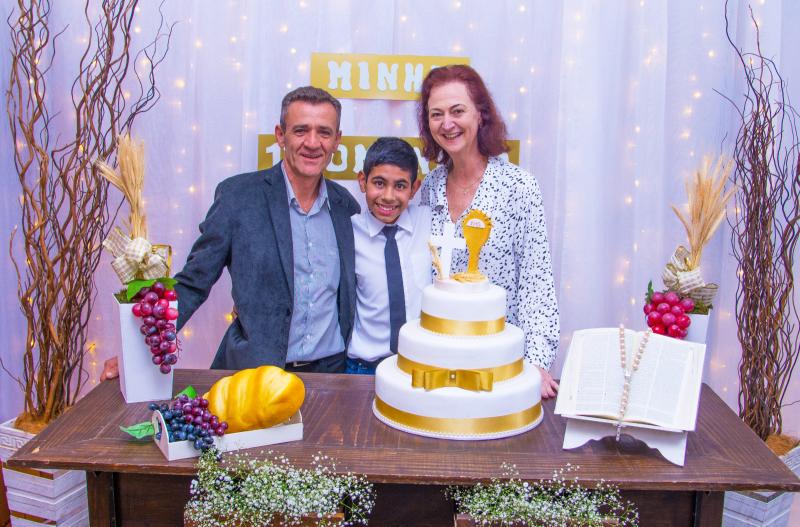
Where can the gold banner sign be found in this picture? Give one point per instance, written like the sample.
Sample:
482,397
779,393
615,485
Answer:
366,76
461,327
497,374
348,160
461,425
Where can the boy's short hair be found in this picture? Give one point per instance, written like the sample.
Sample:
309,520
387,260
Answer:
392,151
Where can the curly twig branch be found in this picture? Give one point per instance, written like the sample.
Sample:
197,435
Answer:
764,236
64,200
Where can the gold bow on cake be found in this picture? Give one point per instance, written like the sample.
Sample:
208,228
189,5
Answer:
479,379
473,380
137,257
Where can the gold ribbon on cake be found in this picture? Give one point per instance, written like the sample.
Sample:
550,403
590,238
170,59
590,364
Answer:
461,425
137,257
473,380
678,276
464,328
477,379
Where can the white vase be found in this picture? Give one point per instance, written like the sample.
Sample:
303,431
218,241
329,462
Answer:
698,329
139,379
761,509
41,496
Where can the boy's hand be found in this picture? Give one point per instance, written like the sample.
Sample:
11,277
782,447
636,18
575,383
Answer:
549,385
110,369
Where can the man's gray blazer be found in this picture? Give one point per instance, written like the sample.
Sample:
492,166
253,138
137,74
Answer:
248,230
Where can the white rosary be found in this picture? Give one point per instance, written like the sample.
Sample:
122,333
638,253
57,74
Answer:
623,403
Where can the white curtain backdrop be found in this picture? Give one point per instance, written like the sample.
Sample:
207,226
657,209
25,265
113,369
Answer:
615,104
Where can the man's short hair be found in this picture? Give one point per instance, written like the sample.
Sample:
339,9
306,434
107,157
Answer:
392,151
311,95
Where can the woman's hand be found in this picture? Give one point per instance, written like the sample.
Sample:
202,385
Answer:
549,385
110,369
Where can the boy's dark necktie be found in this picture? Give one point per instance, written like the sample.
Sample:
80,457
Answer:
394,280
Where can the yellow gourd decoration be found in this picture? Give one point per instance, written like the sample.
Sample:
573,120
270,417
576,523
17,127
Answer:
256,398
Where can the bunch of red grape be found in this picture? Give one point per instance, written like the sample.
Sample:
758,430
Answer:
158,323
190,420
667,314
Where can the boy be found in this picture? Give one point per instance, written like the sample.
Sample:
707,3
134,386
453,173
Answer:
393,262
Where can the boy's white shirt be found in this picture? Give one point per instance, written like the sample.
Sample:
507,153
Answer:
370,340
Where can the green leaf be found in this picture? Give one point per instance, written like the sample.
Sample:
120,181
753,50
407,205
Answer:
189,391
701,309
134,286
139,430
121,296
169,283
650,292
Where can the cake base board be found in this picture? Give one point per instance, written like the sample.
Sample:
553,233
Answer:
457,437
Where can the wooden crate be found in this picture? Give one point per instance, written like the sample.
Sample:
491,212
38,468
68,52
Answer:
757,509
41,496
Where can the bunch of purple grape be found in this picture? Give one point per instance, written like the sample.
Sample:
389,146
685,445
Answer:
190,420
158,326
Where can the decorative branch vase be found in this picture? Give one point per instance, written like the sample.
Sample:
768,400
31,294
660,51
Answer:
139,379
40,496
761,509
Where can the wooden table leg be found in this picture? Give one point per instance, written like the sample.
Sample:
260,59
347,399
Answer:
5,515
102,502
400,505
708,508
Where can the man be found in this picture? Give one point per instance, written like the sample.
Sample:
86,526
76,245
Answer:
286,237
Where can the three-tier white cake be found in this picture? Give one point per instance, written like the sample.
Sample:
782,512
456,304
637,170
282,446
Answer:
459,372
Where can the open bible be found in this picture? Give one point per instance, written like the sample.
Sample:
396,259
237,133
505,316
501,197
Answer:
664,390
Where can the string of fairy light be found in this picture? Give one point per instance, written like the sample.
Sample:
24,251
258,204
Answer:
290,48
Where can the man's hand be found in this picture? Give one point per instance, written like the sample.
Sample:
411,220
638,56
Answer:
549,385
111,369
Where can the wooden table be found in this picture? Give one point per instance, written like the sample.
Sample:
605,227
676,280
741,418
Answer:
130,483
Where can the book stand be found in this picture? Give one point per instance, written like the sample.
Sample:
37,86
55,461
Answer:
669,442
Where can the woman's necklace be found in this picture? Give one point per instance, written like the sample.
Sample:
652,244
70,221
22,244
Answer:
465,191
626,388
469,188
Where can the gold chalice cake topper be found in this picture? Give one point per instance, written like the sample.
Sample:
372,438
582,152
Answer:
476,226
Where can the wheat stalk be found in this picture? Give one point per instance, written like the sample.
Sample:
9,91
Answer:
435,261
706,207
130,181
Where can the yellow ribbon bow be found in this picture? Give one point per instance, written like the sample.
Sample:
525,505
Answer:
473,380
137,257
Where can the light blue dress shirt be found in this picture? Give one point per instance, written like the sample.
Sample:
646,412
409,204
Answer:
314,332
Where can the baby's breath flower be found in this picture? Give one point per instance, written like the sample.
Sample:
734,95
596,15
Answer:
560,500
242,490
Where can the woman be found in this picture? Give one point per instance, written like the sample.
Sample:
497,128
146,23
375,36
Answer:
462,130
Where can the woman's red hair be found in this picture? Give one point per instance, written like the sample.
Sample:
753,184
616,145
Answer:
492,132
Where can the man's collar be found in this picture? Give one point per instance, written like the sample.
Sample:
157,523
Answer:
375,226
322,197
